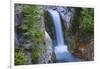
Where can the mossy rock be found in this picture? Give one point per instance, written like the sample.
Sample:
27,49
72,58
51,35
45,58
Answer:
36,52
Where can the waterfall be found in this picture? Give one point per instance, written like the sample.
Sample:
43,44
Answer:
61,50
58,28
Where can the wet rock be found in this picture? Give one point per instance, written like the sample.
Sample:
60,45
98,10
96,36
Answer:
46,56
66,14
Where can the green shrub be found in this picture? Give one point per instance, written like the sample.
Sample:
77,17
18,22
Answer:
20,58
31,20
87,21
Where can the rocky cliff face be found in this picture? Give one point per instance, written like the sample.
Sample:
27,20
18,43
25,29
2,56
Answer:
31,39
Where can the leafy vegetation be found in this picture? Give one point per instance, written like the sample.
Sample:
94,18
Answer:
20,58
83,21
86,21
31,15
36,52
31,30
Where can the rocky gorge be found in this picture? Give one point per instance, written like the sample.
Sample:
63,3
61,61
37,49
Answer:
35,35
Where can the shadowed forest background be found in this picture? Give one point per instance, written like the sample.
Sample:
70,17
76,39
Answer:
35,38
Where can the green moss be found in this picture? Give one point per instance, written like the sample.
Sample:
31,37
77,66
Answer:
36,52
20,58
38,35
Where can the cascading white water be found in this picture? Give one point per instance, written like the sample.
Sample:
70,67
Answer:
61,50
58,28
